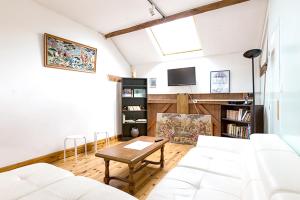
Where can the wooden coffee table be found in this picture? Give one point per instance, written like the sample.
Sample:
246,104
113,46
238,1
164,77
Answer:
131,157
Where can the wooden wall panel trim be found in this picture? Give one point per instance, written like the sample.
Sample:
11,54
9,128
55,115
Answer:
182,104
163,110
59,155
208,104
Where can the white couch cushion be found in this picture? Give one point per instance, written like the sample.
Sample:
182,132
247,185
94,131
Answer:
254,190
187,183
19,182
214,161
262,142
47,182
279,172
286,196
78,188
222,143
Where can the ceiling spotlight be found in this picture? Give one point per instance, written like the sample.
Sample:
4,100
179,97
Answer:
152,10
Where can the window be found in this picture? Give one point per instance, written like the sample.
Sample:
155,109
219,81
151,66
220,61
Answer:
179,36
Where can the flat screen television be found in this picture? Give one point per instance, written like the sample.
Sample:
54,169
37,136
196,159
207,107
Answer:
182,76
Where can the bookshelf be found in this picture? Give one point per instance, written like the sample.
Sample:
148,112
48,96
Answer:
134,106
236,120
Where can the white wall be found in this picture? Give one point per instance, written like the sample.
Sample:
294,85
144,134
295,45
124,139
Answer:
39,106
282,77
240,73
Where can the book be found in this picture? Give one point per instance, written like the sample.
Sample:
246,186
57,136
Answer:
239,115
127,92
139,93
238,131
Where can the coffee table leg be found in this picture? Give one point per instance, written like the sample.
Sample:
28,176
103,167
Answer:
106,178
162,158
131,181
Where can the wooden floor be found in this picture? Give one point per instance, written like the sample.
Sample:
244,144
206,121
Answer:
146,179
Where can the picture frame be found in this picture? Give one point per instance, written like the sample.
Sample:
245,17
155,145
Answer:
220,81
65,54
152,82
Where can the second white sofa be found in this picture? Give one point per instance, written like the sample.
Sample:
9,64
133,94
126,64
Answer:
262,168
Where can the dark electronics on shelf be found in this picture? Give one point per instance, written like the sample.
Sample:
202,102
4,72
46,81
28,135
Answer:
182,76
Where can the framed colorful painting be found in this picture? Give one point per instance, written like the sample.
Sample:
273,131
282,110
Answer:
66,54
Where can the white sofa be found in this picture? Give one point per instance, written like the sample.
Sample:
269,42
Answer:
47,182
262,168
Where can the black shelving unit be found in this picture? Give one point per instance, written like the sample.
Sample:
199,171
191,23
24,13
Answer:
225,120
137,99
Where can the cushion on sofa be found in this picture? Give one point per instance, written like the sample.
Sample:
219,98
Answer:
262,142
78,188
254,190
279,172
214,161
46,182
222,143
285,196
19,182
188,183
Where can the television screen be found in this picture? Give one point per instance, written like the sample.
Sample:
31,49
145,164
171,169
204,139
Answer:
182,76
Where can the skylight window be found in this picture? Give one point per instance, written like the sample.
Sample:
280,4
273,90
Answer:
179,36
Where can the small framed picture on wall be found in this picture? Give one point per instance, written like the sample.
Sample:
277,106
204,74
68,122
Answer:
220,81
152,82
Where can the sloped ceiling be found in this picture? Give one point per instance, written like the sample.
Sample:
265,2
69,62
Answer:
227,30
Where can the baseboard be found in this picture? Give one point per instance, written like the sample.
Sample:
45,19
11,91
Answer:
55,156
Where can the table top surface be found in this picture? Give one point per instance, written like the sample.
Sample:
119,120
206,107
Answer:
125,155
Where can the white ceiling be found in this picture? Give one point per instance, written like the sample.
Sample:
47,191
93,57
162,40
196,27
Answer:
109,15
231,29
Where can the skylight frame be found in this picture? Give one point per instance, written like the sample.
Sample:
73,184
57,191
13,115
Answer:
155,39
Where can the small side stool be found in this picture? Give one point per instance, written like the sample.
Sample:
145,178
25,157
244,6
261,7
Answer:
74,138
105,133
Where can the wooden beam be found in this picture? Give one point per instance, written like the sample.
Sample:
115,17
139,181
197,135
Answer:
188,13
114,78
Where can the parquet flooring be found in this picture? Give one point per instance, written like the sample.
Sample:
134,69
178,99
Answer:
146,179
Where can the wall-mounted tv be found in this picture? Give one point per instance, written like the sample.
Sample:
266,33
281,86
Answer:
182,76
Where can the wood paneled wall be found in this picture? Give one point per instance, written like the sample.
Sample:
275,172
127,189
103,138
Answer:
208,104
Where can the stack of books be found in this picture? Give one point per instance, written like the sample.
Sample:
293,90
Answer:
239,115
238,131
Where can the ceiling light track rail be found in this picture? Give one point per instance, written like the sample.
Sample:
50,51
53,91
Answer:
187,13
157,8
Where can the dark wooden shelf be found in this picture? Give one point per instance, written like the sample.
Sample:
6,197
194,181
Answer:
231,136
135,123
238,105
257,128
134,97
134,86
236,121
134,110
141,102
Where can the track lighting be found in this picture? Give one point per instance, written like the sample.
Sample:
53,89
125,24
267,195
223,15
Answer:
152,10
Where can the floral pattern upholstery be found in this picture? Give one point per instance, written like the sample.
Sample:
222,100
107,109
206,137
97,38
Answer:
183,128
